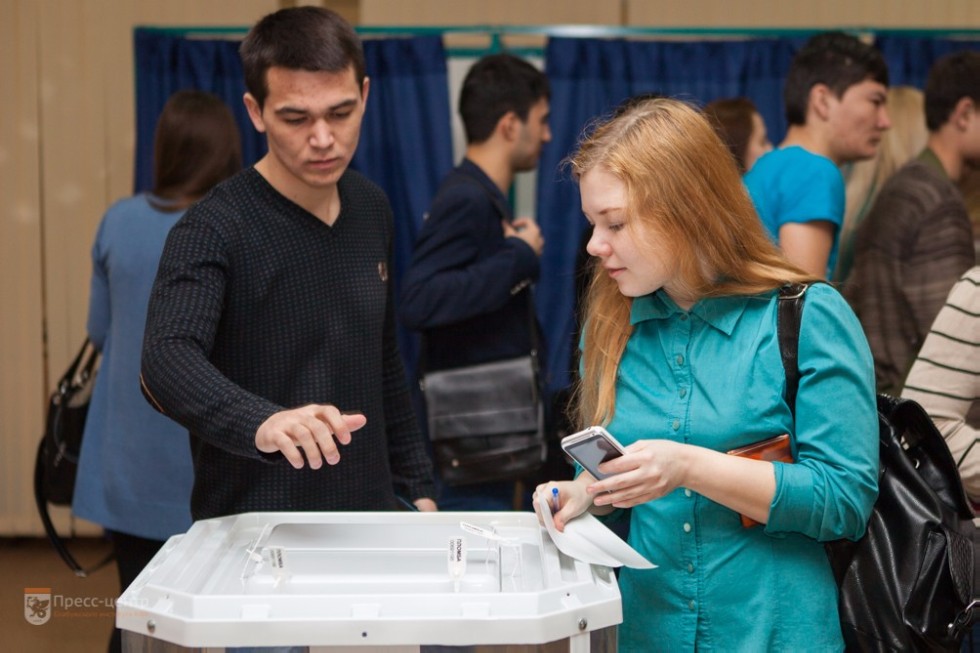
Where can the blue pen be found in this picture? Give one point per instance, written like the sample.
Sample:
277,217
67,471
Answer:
408,506
554,500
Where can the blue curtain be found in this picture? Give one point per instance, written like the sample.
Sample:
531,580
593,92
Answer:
406,138
909,58
406,141
589,77
167,63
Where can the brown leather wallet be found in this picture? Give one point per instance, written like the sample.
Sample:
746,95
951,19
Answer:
773,449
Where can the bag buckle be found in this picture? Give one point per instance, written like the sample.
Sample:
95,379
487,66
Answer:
962,620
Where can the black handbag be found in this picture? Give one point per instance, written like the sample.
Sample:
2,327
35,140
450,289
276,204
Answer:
909,583
486,422
65,424
56,465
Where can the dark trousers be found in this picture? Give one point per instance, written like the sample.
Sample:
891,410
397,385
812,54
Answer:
132,555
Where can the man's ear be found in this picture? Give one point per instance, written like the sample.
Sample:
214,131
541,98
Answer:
509,126
254,112
365,87
820,100
964,111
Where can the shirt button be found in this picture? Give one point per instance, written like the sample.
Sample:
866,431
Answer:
683,392
687,527
687,492
679,359
683,317
691,604
690,568
676,424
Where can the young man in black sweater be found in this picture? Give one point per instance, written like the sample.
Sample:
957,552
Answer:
270,333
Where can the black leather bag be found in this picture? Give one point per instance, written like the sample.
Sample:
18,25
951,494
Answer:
57,459
909,583
56,465
486,422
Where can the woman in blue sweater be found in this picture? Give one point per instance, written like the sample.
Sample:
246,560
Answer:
681,363
135,472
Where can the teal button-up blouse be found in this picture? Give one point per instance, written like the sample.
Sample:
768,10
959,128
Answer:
713,377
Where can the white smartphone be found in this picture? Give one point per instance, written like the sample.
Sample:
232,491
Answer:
591,447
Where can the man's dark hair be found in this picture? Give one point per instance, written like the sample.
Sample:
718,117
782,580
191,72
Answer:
951,79
835,59
496,84
299,38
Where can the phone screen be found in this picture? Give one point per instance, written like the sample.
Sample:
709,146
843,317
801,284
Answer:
592,451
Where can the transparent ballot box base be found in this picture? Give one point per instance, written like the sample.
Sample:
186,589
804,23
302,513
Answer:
364,582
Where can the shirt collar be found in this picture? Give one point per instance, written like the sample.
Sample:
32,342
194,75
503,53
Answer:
474,171
722,313
929,157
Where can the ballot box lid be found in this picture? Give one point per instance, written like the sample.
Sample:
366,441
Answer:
367,579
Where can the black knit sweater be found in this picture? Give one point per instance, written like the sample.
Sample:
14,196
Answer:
258,306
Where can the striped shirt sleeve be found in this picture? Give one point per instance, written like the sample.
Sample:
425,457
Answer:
944,377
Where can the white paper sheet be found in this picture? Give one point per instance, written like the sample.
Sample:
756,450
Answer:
587,539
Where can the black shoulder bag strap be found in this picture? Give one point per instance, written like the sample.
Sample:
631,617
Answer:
788,318
60,546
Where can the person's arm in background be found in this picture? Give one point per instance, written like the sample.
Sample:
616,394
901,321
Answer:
97,325
448,281
807,245
945,378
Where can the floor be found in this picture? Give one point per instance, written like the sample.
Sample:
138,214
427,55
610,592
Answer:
81,614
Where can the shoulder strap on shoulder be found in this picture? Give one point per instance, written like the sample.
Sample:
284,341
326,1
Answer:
788,318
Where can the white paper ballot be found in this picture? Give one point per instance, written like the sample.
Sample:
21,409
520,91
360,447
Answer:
587,539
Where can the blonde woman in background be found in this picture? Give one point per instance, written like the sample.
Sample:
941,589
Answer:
904,140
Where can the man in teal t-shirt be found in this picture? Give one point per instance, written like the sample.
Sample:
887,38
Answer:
835,95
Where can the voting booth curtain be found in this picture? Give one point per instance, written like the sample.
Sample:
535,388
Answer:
589,77
406,143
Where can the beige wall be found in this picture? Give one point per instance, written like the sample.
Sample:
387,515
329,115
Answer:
952,14
955,14
66,152
66,142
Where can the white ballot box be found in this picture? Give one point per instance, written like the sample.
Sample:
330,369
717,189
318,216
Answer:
365,582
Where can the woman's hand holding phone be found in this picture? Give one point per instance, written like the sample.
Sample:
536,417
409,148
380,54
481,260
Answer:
649,470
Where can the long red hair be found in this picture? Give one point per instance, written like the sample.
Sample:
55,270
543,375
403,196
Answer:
682,185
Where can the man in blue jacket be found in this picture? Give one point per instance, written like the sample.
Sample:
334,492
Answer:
468,287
